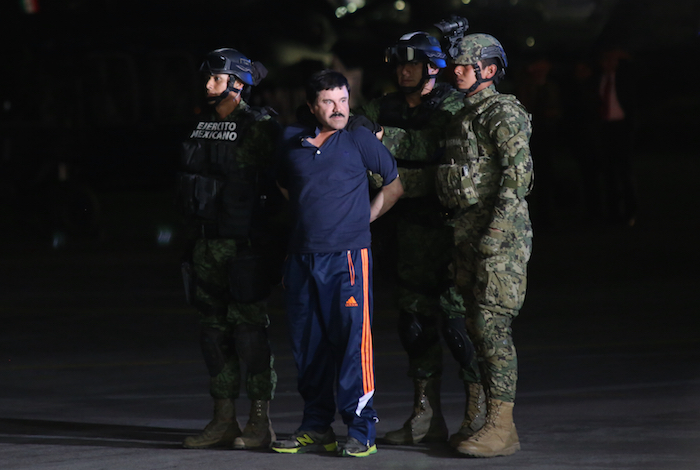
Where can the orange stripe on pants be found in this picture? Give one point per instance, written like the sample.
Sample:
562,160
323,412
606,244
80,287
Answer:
367,352
351,267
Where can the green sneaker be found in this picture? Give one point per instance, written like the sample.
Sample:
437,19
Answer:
354,448
302,442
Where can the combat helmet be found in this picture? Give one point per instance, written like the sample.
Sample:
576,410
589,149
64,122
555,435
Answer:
420,47
231,62
480,46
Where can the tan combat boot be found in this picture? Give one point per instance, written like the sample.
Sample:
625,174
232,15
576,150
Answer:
497,437
474,413
258,433
221,431
426,424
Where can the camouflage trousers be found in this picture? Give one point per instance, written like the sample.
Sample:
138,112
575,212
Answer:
492,282
230,321
424,255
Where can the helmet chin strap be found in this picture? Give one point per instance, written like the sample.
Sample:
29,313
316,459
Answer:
216,100
479,80
407,90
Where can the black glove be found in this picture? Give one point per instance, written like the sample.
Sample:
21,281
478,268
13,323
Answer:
356,121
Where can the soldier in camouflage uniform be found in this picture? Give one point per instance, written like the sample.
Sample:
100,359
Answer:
414,121
222,194
487,173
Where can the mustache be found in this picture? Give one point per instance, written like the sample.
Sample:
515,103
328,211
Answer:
337,115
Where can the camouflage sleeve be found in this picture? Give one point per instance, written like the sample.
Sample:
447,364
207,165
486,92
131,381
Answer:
261,144
413,145
370,110
510,130
422,145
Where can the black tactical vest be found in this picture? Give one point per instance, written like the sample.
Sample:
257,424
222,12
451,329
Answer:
393,106
215,190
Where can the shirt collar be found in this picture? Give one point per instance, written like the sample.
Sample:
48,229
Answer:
480,96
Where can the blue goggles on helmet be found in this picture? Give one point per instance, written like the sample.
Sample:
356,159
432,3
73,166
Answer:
403,54
238,65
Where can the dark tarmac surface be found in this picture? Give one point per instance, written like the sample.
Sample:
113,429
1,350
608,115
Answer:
101,367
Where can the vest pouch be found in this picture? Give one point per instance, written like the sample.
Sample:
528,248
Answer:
238,201
185,193
249,278
193,156
197,195
222,158
455,187
206,193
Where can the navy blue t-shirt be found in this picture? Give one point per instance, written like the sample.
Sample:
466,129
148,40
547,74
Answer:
328,187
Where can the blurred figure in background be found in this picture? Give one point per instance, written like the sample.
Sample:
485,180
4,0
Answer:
581,126
617,94
541,96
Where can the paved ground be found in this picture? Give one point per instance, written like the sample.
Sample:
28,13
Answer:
100,367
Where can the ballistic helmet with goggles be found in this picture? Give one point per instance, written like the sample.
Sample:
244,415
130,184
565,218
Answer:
417,46
231,62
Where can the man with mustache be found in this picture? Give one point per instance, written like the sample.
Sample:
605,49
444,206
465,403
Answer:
328,273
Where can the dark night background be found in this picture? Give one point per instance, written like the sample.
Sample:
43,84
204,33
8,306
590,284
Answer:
106,87
101,366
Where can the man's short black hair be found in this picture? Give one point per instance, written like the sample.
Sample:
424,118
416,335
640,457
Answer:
493,61
324,80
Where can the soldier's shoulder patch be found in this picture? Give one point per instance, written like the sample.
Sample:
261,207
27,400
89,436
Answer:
507,120
501,124
504,132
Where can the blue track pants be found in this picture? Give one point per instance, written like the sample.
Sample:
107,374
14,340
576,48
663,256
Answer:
329,310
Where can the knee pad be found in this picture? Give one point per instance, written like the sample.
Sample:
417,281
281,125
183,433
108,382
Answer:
253,347
454,331
417,333
212,341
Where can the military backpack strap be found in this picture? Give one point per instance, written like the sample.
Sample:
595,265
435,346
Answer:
435,98
392,107
260,112
430,103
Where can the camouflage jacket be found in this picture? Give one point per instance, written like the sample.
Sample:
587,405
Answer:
489,142
415,136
